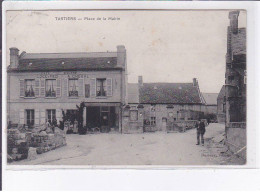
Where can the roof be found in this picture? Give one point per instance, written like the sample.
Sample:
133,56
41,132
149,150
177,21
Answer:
67,61
238,45
210,98
221,94
133,93
169,93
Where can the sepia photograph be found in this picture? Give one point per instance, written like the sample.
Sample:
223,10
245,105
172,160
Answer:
126,87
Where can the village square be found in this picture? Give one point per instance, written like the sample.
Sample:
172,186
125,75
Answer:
78,108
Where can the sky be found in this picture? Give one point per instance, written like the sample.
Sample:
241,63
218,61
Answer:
162,46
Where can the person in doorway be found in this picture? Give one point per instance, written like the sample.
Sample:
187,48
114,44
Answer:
200,132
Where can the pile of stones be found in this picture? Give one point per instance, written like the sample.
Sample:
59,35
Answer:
27,144
18,146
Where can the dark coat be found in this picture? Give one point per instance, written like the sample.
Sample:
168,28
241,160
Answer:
201,127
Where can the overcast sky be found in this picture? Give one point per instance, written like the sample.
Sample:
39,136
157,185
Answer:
162,46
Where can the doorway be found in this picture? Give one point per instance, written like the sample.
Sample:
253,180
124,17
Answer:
102,117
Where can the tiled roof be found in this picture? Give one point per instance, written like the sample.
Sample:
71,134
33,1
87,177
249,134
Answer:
133,93
210,98
169,93
67,61
238,45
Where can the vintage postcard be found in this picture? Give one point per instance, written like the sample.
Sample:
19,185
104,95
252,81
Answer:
126,87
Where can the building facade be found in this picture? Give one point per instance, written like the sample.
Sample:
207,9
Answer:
44,86
162,106
235,86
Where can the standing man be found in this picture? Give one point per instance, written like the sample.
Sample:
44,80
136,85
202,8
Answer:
200,132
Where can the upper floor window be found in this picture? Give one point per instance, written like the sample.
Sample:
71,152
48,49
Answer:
73,88
29,88
101,87
50,88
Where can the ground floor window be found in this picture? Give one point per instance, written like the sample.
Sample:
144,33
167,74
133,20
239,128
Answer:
153,120
51,115
29,117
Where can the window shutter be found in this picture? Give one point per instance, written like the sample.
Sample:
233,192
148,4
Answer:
21,87
109,87
42,117
37,117
58,115
37,87
81,87
92,87
58,88
42,89
21,116
65,87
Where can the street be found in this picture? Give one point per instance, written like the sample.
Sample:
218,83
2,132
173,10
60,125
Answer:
157,148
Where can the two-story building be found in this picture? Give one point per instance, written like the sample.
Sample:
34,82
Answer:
43,85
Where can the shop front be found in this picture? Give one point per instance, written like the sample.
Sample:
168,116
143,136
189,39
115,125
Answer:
103,117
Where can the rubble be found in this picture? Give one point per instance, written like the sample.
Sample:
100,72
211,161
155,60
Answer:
24,144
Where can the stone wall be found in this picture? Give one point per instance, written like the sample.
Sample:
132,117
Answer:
133,121
221,118
236,138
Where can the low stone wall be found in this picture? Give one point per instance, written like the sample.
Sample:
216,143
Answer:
20,143
180,126
236,138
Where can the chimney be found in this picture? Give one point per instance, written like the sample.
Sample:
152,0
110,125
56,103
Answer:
121,56
195,82
140,81
233,17
14,57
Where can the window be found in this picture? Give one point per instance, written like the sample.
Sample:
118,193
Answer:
133,115
153,120
29,117
50,88
51,116
29,88
230,78
87,90
73,88
101,87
